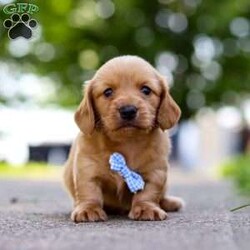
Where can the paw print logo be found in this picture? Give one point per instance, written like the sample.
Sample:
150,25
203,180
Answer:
20,26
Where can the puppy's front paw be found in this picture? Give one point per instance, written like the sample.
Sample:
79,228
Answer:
88,214
172,204
147,212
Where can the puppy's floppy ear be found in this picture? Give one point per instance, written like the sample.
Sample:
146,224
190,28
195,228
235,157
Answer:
84,116
169,112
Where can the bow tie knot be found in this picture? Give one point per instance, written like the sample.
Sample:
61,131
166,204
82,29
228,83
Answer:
133,180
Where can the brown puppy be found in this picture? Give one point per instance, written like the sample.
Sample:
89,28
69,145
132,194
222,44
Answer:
126,107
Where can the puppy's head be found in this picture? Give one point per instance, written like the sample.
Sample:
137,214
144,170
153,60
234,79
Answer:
126,95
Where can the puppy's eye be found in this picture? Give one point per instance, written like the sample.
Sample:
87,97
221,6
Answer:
146,90
108,92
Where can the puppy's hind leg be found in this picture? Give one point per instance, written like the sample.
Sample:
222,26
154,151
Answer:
172,203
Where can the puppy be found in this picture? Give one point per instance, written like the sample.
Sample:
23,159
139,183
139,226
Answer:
125,109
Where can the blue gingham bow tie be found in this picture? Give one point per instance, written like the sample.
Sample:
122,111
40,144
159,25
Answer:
133,180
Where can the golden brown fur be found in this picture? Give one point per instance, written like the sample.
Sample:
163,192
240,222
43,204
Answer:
93,186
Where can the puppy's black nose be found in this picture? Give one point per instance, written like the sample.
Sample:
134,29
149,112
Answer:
128,112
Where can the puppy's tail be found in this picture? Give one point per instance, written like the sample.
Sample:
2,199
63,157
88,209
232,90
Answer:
172,204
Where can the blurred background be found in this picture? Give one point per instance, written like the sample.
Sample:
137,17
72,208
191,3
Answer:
202,47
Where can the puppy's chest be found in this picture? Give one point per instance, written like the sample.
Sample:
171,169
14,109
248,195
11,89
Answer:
135,161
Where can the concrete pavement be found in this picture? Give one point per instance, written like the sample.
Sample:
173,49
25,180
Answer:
35,215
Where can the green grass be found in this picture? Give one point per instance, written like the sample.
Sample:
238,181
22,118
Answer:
33,171
240,207
238,169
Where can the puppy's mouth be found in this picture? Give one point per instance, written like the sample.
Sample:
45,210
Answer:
128,126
